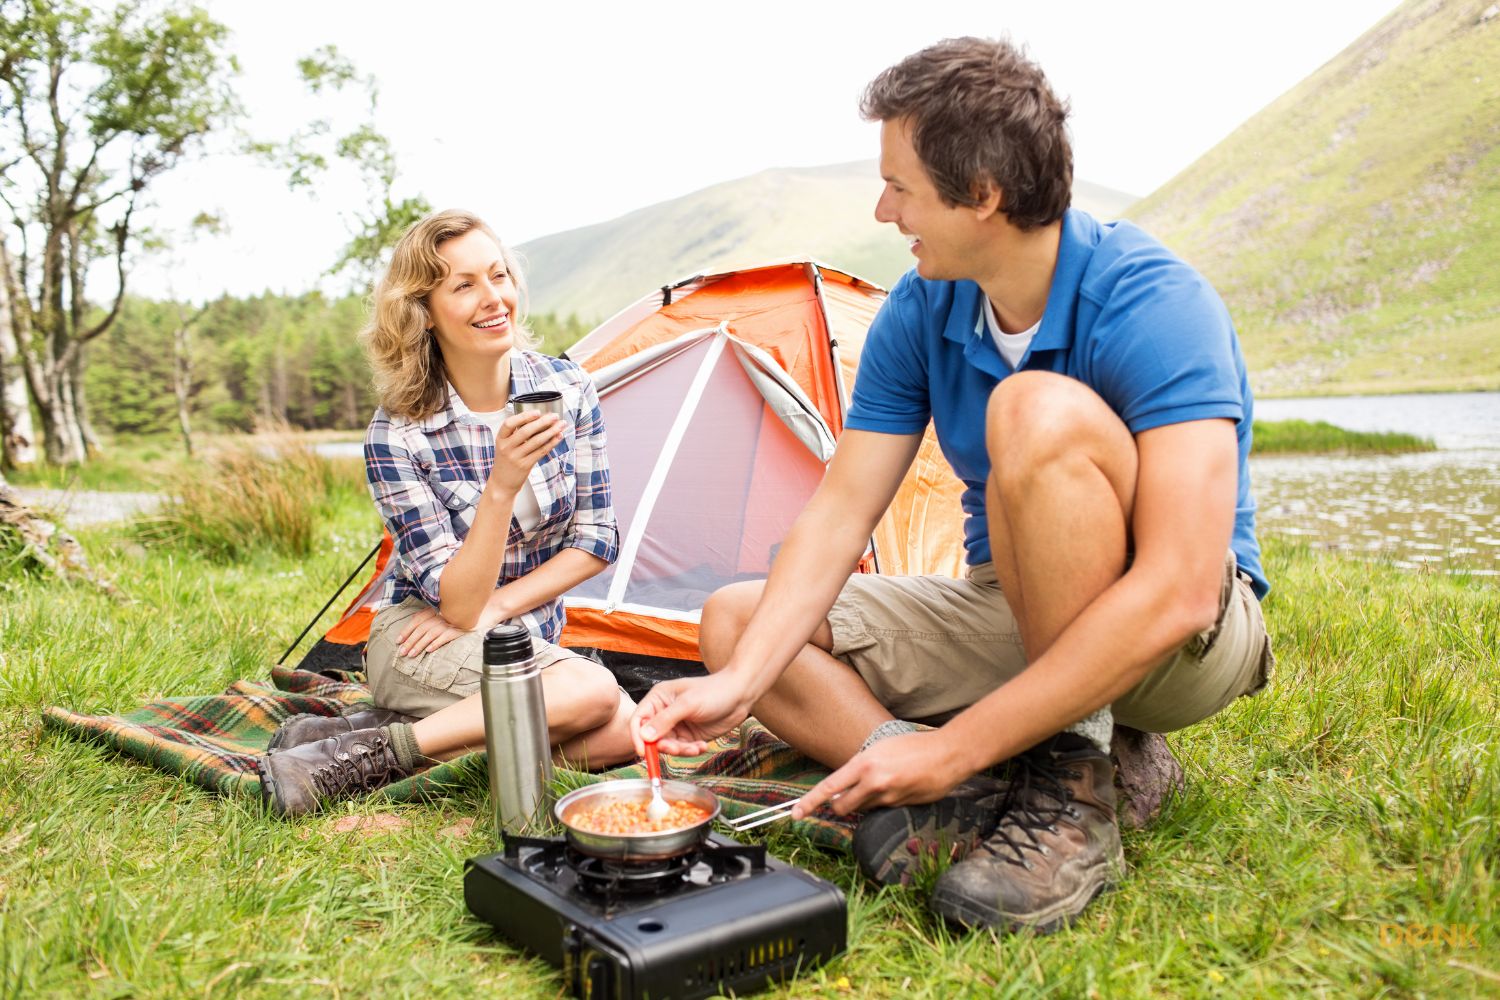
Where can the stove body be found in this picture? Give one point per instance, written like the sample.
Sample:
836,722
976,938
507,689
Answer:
727,918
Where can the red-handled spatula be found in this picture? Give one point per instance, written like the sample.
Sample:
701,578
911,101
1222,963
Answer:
658,808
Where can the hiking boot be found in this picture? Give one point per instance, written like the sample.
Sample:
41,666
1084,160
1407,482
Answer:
300,780
892,845
308,727
1146,775
1055,847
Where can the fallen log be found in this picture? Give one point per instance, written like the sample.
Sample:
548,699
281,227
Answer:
49,546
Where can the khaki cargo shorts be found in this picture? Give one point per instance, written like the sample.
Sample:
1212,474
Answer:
930,646
422,685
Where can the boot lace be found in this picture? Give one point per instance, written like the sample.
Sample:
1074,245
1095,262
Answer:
1037,798
364,767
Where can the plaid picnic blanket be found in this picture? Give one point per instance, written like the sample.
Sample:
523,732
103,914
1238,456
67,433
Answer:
215,740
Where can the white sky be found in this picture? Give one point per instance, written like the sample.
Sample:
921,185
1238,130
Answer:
548,116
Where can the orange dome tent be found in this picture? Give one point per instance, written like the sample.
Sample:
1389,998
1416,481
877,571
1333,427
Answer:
723,395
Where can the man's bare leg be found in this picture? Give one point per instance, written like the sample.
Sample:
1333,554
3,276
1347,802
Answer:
1059,499
818,705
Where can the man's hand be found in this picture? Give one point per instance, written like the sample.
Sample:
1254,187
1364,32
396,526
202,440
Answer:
523,439
427,630
683,715
896,771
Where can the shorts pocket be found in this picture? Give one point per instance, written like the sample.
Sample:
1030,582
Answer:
453,667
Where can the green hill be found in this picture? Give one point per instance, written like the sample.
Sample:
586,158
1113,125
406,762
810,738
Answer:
1353,225
824,212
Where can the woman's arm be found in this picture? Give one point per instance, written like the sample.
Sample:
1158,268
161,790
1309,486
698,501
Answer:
428,630
468,580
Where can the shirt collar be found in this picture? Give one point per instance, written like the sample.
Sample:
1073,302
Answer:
523,378
1075,247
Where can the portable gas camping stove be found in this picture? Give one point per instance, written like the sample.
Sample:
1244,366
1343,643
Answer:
726,917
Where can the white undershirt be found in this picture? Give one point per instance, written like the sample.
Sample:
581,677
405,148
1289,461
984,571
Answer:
527,512
1012,345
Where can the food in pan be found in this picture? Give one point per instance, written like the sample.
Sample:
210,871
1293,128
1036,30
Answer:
627,817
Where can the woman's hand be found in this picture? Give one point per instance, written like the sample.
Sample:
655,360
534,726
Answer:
426,631
522,441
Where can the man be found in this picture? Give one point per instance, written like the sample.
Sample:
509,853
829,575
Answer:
1088,388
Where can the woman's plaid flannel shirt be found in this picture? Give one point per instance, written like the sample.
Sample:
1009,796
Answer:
426,477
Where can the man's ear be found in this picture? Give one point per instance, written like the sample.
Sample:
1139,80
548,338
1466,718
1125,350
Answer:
988,200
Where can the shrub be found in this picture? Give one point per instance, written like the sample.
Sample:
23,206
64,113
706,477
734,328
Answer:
238,501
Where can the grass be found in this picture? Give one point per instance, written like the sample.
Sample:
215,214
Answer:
1360,791
237,500
1287,437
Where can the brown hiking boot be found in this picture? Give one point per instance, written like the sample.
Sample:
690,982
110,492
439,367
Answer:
1055,847
1146,775
300,780
308,728
891,845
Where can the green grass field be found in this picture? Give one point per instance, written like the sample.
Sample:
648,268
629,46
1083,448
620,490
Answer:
1357,796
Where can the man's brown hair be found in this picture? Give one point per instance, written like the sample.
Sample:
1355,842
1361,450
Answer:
982,116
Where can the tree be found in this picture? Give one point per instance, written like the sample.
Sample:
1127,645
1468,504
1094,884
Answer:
96,106
308,155
17,440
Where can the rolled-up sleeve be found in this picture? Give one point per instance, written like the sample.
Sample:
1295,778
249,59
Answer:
593,529
419,523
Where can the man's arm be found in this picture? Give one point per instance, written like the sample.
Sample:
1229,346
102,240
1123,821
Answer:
821,550
1182,522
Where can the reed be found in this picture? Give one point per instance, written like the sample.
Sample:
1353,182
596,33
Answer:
1288,437
239,501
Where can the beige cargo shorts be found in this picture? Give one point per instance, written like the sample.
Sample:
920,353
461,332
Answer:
930,646
422,685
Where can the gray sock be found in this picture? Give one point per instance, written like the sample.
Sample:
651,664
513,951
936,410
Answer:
1098,728
892,727
404,745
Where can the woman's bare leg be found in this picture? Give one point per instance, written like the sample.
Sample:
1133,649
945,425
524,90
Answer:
605,746
580,696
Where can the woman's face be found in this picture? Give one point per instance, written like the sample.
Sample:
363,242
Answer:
473,308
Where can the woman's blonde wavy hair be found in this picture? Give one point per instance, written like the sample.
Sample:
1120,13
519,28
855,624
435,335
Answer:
410,380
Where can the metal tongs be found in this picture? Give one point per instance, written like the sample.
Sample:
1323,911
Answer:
770,814
761,817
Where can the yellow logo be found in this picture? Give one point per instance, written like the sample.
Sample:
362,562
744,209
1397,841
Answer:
1429,935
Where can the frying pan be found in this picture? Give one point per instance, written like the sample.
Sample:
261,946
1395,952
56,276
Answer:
635,846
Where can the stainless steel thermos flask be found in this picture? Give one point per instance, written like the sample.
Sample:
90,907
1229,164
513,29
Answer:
515,732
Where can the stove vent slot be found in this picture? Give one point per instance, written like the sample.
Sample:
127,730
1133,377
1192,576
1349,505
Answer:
767,956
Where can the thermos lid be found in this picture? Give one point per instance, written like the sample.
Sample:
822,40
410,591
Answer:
507,644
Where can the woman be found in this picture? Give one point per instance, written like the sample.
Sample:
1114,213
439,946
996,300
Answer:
494,515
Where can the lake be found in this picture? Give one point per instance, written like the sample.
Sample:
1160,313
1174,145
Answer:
1438,511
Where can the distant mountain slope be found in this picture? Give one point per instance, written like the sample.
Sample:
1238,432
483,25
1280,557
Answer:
1353,225
825,212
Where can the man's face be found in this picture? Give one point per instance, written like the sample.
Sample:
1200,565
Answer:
940,234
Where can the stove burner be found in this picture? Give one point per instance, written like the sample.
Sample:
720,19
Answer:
554,861
608,877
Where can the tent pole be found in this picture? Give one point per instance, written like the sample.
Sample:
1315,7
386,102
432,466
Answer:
281,662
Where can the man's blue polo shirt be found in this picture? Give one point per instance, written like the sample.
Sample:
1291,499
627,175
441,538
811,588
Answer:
1124,316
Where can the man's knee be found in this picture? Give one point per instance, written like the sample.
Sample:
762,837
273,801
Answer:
725,615
1036,418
